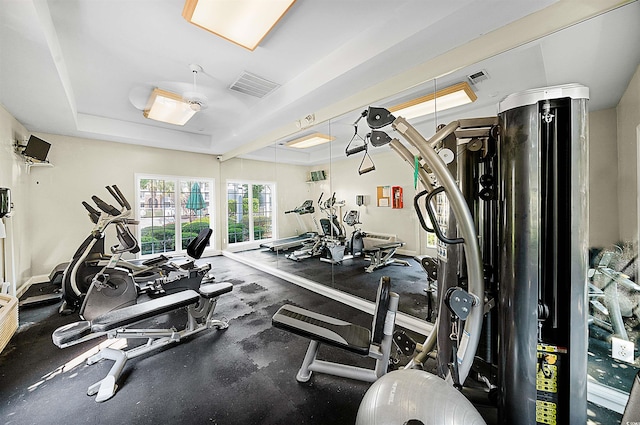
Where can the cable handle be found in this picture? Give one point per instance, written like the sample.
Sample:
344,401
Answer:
434,221
416,205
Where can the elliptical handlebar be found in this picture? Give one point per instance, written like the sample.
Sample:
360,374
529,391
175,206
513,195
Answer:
94,214
118,196
107,208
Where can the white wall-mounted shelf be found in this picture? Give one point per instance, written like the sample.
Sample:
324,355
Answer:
31,164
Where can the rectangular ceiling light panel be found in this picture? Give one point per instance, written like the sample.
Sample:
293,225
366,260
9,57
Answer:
310,140
168,107
244,22
450,97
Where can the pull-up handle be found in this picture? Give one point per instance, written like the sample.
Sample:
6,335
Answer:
432,216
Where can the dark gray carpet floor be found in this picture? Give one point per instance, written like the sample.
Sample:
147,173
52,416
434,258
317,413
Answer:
242,375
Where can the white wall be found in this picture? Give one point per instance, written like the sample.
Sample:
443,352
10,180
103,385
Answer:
628,111
82,168
603,179
15,250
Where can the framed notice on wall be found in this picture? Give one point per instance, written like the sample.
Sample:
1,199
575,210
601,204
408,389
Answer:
383,196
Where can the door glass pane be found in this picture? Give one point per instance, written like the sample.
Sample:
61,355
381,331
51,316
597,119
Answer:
262,211
194,209
157,216
238,212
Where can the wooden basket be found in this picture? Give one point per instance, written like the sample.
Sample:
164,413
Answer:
8,318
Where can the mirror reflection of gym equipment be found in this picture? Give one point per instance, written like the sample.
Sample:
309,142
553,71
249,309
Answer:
519,297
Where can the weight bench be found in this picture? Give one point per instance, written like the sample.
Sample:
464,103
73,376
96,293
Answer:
321,329
200,306
382,255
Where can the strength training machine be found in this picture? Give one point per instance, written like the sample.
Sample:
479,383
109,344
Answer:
512,264
507,199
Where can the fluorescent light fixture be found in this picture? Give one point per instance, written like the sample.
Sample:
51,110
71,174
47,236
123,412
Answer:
168,107
310,140
244,22
450,97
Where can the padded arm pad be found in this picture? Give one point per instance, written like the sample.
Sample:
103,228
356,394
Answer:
323,328
212,290
71,332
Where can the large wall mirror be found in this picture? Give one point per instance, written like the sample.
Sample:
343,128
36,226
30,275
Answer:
320,184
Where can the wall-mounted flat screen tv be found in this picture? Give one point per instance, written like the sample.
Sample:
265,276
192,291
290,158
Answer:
37,149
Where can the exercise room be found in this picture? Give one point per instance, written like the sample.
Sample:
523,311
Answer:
287,211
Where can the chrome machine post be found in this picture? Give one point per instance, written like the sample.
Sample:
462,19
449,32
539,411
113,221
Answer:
543,203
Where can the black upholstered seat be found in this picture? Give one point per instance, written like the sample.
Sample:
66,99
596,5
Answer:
128,315
323,328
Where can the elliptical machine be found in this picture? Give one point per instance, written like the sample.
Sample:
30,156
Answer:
334,247
119,282
355,244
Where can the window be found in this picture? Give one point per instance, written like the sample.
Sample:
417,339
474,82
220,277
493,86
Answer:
246,224
171,211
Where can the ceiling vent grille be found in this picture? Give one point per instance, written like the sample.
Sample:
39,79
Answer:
253,85
479,76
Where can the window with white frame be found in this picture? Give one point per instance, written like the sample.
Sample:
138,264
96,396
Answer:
172,211
251,211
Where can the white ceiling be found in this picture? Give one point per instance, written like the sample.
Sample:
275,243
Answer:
73,67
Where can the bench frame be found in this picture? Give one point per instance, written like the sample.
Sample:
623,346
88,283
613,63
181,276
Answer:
382,255
379,348
200,318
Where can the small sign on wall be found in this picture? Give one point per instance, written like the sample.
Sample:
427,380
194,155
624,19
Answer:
384,196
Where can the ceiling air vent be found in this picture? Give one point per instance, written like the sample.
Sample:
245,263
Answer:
478,77
253,85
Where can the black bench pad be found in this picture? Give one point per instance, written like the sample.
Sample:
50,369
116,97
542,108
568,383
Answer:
135,313
384,246
212,290
71,332
323,328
